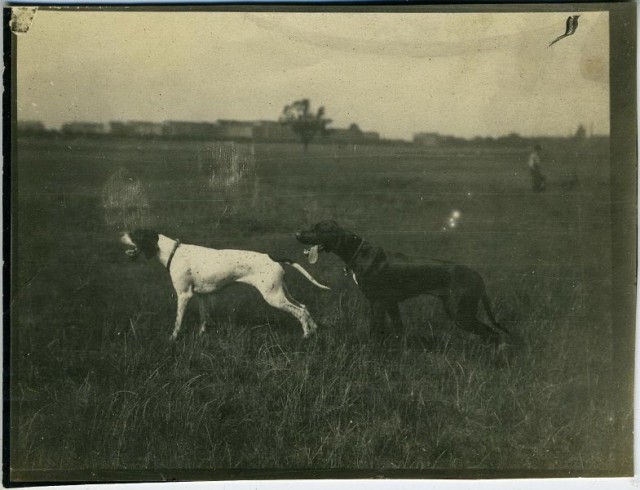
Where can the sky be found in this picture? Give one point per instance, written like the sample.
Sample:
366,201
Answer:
462,74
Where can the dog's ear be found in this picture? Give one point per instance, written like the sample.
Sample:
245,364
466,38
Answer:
146,241
327,225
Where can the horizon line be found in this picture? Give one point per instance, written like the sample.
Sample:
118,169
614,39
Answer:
49,126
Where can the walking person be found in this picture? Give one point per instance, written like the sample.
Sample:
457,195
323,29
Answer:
539,181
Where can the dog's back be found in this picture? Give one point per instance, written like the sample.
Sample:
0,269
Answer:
212,269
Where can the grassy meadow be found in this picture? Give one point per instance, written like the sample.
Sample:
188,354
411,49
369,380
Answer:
96,385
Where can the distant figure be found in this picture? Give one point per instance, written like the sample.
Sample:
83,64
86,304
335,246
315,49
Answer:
539,181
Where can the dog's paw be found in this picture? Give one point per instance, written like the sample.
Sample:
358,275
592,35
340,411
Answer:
503,354
310,333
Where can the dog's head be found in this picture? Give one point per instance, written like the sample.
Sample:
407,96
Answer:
324,236
140,241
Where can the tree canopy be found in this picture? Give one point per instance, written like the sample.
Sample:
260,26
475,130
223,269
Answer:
303,121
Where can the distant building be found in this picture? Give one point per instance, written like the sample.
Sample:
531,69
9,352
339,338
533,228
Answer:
191,130
224,129
146,128
351,135
31,127
83,128
237,129
426,139
118,128
273,131
370,136
135,128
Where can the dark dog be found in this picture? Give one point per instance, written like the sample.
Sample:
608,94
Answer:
387,278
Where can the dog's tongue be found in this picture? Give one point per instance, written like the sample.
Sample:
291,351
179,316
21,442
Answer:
313,254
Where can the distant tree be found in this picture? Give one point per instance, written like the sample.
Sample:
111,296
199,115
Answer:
511,140
303,121
581,133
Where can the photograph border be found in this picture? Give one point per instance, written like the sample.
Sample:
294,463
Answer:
623,139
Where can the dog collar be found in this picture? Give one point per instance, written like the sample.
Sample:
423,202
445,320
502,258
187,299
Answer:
173,252
347,268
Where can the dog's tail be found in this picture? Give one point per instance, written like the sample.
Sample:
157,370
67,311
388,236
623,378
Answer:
302,271
487,308
299,268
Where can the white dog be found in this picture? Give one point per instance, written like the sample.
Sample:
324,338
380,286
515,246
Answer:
200,270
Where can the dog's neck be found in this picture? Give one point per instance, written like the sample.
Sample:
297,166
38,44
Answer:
348,248
165,247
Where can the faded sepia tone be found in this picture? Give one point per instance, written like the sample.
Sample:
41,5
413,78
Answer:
487,140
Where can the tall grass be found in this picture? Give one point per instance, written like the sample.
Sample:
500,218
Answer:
96,385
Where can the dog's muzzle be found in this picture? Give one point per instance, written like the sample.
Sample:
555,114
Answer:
308,238
132,253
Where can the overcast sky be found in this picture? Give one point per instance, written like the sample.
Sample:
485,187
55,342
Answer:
462,74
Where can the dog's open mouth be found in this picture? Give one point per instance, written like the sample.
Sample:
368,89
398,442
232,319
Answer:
312,253
132,253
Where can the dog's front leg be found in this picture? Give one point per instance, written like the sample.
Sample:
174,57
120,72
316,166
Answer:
396,319
202,307
183,300
378,311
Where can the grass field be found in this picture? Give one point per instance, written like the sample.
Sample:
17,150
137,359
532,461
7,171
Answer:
96,385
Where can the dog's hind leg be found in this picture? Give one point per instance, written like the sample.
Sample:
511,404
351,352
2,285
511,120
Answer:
273,293
487,307
291,298
378,312
278,299
465,317
396,319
